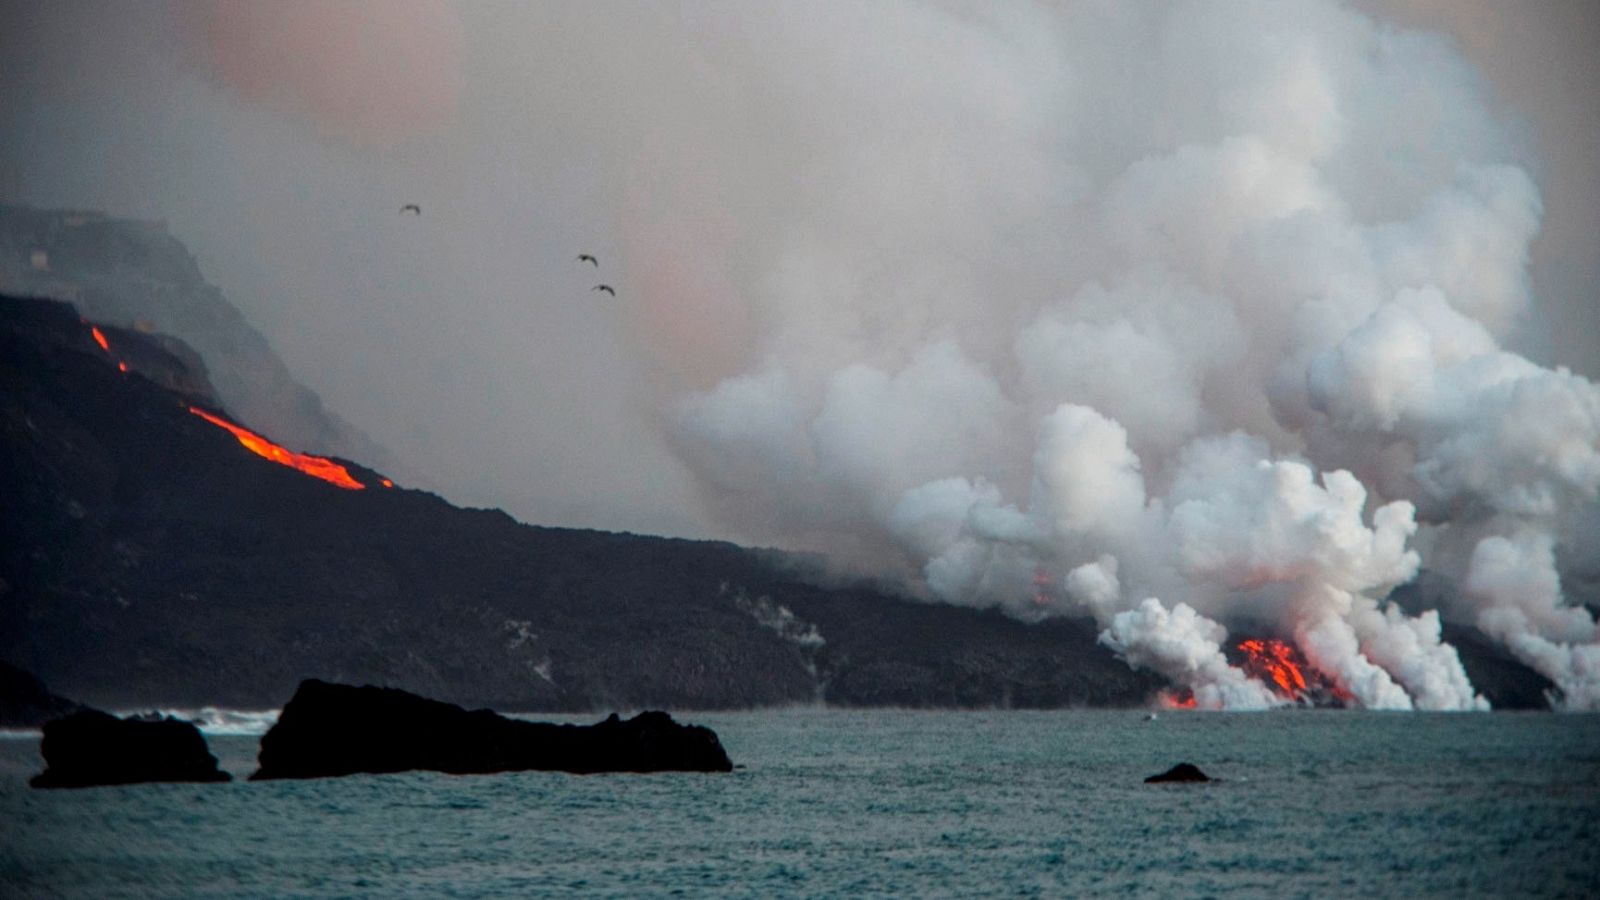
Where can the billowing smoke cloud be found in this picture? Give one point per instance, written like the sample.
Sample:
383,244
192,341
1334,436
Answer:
1186,316
1273,254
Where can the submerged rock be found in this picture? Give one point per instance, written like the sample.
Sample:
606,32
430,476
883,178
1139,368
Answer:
89,748
332,729
1179,772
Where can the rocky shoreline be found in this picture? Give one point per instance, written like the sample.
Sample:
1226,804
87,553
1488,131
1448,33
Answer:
333,730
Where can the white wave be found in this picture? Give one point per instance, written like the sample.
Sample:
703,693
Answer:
211,720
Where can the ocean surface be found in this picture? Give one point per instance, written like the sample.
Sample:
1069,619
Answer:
876,803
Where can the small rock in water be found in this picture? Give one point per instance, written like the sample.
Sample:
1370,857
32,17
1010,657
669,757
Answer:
327,730
89,748
1179,772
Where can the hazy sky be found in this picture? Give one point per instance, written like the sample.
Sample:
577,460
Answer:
672,140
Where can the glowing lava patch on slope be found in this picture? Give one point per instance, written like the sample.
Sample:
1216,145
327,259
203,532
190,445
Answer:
100,338
1275,662
1283,668
315,466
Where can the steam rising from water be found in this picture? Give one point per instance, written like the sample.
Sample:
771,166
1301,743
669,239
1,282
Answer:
1200,312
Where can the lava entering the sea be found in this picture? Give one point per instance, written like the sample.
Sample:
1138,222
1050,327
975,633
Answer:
1281,665
1275,661
1180,699
315,466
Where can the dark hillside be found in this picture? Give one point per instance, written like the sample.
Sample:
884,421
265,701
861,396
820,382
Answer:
136,275
148,558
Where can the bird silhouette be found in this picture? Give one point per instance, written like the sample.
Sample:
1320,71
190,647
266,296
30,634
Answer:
411,207
584,257
604,287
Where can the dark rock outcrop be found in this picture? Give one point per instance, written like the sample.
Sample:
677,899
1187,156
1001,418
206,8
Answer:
25,702
1182,772
89,748
329,730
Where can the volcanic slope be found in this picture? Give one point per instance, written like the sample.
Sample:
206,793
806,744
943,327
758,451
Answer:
148,557
133,273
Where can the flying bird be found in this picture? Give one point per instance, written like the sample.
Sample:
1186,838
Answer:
584,257
604,287
411,207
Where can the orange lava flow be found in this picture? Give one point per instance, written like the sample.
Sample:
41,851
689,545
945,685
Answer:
315,466
1277,662
100,338
1183,699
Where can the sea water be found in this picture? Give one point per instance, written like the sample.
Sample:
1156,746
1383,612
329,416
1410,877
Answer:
877,803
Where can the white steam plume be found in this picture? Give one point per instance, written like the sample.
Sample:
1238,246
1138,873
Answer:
1185,647
1514,580
1260,289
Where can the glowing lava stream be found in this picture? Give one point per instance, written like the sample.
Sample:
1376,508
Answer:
1183,699
315,466
1283,665
100,338
1276,660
